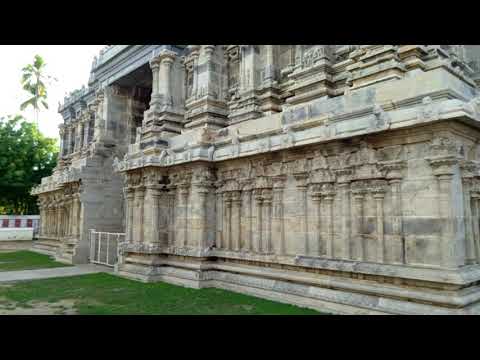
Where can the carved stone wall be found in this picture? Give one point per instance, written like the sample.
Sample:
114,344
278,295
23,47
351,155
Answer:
339,177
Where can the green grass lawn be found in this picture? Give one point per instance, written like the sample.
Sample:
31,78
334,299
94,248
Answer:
106,294
26,260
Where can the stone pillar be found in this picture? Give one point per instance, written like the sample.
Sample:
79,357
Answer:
52,220
278,225
227,224
397,206
184,206
167,59
247,67
71,218
470,255
138,214
236,217
302,213
154,194
155,67
316,198
40,226
269,69
357,225
62,143
476,223
171,216
258,221
329,195
86,131
203,225
451,211
62,220
248,217
195,55
129,196
59,219
68,131
379,196
47,219
81,135
267,207
76,215
343,184
220,216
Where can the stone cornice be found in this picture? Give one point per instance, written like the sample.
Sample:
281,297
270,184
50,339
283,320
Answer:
314,130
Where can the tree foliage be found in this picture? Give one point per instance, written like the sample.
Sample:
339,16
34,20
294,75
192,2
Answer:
25,157
33,81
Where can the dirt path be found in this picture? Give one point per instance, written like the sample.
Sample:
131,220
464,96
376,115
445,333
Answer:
62,307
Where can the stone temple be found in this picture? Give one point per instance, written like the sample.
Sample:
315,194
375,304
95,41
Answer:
344,178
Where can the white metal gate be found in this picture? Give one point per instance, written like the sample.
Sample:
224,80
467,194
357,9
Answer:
104,247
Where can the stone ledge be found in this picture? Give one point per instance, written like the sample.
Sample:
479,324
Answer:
338,296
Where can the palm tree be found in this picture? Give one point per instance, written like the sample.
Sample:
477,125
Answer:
33,77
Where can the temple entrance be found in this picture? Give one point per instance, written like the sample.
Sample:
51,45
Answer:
139,85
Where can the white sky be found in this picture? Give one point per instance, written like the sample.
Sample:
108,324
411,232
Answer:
70,64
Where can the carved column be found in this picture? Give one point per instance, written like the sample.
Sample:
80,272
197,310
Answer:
278,224
379,195
267,207
358,219
164,76
172,205
68,132
248,211
467,183
475,200
76,215
452,237
40,211
155,67
49,220
154,194
227,223
61,153
81,135
316,198
59,218
220,216
344,192
138,214
52,220
130,196
86,131
184,205
258,221
72,217
269,70
65,218
394,177
203,191
302,213
236,217
328,196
